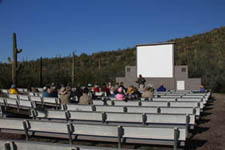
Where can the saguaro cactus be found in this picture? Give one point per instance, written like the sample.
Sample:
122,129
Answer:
40,72
73,68
15,66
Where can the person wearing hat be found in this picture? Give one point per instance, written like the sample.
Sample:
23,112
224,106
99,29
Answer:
45,92
64,96
13,89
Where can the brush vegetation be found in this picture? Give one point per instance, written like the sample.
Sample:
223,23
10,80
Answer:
203,53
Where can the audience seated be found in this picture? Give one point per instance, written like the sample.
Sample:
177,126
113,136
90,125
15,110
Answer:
13,89
105,89
130,93
96,88
64,95
120,94
45,92
147,93
161,88
85,99
202,89
78,92
53,91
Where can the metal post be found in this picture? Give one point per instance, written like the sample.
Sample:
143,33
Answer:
120,133
73,68
176,136
40,73
144,118
70,132
25,126
7,146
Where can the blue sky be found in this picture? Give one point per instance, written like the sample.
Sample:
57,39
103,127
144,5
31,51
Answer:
50,28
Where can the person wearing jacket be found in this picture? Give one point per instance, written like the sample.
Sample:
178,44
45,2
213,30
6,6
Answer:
13,89
85,98
161,88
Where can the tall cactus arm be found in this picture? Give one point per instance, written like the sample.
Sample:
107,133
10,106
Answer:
9,59
19,50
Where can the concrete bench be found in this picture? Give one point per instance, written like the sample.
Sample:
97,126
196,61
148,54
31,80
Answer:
36,99
170,96
128,103
78,107
163,136
178,110
164,99
192,100
100,132
23,145
98,102
110,108
31,94
184,104
142,109
21,90
11,124
170,119
115,117
2,101
23,97
26,104
155,103
86,116
192,97
50,100
49,114
13,96
5,91
124,117
11,102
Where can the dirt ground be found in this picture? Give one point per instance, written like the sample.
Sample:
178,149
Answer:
209,133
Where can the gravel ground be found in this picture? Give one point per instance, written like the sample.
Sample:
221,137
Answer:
208,135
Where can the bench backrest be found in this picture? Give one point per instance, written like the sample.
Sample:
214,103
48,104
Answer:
153,133
110,108
14,96
75,107
23,97
142,109
15,124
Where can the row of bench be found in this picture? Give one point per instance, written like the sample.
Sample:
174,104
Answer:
119,134
117,118
20,104
165,125
22,145
181,102
133,109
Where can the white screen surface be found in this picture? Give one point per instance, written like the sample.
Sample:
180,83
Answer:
155,61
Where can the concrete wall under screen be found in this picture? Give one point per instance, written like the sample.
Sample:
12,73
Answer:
155,61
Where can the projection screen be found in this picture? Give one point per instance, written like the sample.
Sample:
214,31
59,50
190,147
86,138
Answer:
155,61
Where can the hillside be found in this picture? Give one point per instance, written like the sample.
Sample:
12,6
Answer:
203,53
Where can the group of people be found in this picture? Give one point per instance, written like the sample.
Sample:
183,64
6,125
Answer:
84,95
66,95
